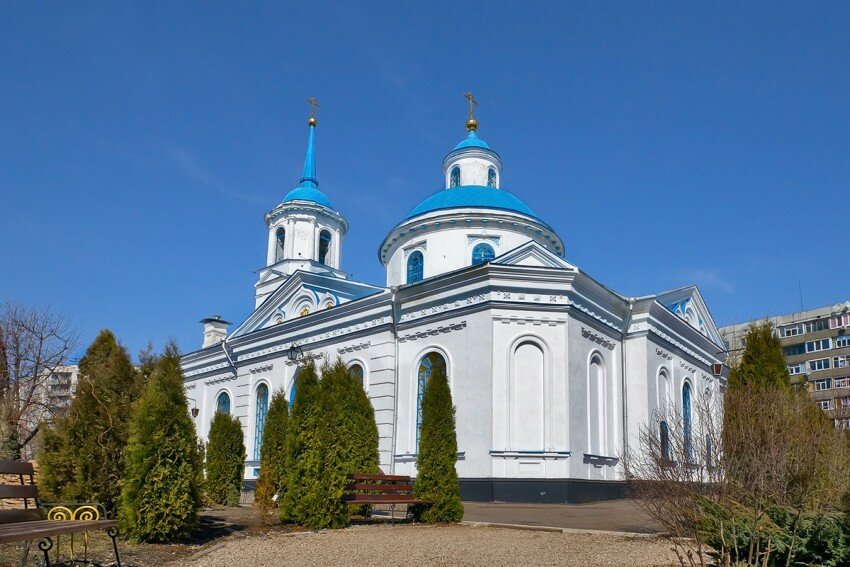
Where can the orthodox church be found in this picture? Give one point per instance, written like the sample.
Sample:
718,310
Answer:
552,373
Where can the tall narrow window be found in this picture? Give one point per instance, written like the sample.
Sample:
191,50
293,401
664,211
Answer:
429,363
324,246
356,372
454,177
222,403
491,177
596,408
665,440
280,238
262,409
686,422
415,267
528,402
292,390
482,253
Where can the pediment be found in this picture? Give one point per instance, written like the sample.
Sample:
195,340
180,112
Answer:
303,293
687,303
533,254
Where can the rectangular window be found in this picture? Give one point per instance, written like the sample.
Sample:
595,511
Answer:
815,326
826,404
843,382
842,341
840,321
842,423
843,402
821,385
819,345
796,369
791,331
794,350
819,364
841,361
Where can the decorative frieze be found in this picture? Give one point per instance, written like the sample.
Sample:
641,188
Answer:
687,366
204,369
597,338
678,344
352,348
190,386
264,368
219,380
529,320
442,308
663,354
432,331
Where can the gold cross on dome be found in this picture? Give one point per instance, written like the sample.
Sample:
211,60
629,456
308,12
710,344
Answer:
314,105
472,103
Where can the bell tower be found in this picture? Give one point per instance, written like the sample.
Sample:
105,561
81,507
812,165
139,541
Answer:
304,231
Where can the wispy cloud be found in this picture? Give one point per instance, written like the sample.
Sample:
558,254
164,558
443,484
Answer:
190,167
710,278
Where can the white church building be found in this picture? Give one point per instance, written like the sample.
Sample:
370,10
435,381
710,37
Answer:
552,373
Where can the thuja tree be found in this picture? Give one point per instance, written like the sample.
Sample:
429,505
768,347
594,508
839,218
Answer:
225,460
273,456
763,362
161,496
345,441
300,436
82,458
437,477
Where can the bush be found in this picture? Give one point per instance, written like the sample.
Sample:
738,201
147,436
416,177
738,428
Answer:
437,477
82,457
160,498
273,464
225,460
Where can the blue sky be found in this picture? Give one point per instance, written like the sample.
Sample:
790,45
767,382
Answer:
667,143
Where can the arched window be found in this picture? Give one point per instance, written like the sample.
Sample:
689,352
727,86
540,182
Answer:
415,267
527,391
222,403
292,389
597,408
427,365
482,253
664,431
356,372
280,238
262,409
686,421
454,177
663,391
324,246
491,177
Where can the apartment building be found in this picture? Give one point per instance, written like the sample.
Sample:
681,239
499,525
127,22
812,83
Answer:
816,344
59,389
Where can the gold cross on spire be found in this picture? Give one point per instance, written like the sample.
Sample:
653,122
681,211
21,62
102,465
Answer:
314,104
471,124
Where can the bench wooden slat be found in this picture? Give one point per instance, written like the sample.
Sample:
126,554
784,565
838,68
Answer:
18,491
380,498
16,467
381,487
19,515
384,477
26,531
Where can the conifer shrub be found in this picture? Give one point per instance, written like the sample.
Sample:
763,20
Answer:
273,464
437,479
225,464
82,456
161,496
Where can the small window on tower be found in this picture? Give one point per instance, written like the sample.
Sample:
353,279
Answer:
454,178
280,236
324,246
491,177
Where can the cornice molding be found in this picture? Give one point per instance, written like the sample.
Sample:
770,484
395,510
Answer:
430,332
529,320
597,338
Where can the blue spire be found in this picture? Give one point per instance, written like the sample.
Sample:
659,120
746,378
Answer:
308,177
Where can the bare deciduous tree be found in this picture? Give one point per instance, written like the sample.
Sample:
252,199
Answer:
33,344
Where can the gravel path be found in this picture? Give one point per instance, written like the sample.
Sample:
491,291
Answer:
385,546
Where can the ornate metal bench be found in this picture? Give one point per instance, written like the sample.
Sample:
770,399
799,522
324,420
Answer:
43,521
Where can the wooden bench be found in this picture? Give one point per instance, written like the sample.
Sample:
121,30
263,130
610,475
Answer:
42,521
389,489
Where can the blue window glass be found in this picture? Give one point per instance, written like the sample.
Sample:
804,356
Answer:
491,177
324,246
427,365
665,440
482,253
262,408
686,421
292,392
415,267
356,372
454,178
222,403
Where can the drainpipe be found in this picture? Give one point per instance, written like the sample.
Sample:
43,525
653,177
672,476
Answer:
394,331
628,324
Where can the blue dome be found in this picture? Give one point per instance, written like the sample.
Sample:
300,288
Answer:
308,194
472,141
473,196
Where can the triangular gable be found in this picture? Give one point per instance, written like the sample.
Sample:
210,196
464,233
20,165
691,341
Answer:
533,254
303,289
687,303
